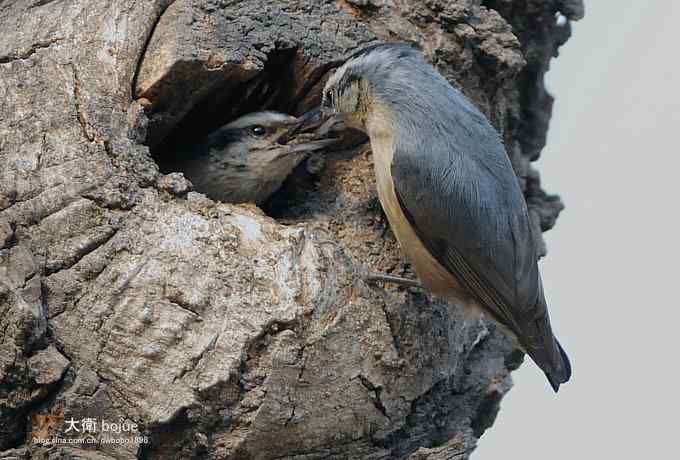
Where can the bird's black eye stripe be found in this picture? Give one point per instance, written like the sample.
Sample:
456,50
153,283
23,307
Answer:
258,130
328,99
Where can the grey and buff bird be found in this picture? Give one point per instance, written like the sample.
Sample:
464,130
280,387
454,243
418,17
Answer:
449,192
248,159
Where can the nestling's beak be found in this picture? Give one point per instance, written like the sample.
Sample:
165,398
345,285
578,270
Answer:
307,133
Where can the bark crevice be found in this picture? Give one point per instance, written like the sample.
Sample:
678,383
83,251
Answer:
26,54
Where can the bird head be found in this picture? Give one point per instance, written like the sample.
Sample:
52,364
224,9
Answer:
368,76
345,97
270,136
248,159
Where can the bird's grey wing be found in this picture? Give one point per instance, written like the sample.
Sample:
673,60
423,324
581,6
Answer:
464,202
472,217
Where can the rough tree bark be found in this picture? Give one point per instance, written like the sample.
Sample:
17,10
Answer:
221,331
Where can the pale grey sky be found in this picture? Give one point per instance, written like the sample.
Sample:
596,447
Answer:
612,273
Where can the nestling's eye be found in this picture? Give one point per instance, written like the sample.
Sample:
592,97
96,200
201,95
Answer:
258,130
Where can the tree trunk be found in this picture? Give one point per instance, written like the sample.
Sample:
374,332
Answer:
221,331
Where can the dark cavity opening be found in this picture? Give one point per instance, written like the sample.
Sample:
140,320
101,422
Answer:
287,83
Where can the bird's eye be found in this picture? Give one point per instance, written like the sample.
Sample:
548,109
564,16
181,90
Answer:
328,98
258,130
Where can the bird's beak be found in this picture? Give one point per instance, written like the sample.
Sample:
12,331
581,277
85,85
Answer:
304,123
331,120
307,133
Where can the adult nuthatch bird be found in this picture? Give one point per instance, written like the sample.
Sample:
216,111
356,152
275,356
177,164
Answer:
449,192
248,159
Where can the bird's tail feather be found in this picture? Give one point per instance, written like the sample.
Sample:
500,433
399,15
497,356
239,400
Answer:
544,348
560,371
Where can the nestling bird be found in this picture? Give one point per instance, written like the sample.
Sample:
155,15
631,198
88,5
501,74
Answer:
248,159
449,192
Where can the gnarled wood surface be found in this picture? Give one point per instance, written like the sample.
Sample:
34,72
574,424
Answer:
222,332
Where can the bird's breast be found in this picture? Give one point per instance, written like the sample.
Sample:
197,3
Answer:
431,273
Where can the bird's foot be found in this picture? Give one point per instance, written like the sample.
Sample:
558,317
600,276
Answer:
373,278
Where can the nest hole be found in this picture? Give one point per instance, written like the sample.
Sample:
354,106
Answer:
285,84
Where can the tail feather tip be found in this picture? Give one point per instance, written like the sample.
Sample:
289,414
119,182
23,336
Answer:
563,372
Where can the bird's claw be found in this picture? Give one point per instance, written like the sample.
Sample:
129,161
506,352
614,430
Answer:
374,278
